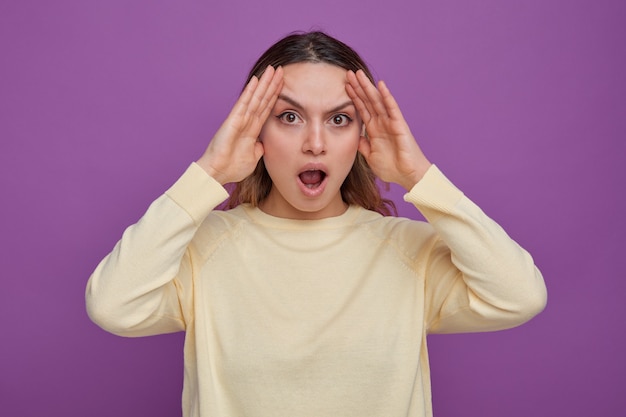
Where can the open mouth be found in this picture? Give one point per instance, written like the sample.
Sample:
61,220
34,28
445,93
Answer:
312,178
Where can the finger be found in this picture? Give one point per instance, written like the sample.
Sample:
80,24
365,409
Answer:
242,103
373,96
267,102
393,109
361,93
271,94
257,100
261,89
358,103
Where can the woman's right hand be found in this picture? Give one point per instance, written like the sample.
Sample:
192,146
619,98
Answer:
235,150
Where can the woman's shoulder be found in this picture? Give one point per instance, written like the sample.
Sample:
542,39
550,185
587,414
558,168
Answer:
221,221
219,226
390,223
404,233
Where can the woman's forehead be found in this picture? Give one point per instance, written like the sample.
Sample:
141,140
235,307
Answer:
310,83
318,73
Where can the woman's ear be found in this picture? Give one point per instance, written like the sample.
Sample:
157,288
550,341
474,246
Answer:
363,131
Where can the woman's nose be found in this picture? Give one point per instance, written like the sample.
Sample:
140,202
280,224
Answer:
314,141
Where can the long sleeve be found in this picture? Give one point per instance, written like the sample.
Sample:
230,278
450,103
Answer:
478,278
142,286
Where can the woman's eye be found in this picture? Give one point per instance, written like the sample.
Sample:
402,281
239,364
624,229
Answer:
288,117
341,120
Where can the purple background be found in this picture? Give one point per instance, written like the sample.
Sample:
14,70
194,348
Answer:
103,104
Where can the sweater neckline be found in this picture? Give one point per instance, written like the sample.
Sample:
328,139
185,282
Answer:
258,216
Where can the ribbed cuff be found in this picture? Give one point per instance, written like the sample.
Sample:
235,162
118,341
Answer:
197,193
434,195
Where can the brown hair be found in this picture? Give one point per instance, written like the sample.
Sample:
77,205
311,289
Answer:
360,186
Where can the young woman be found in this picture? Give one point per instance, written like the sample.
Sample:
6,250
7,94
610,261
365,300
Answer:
304,298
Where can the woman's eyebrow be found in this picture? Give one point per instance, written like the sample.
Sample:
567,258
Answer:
299,106
291,101
342,106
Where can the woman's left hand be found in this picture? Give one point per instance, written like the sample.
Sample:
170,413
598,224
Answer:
389,146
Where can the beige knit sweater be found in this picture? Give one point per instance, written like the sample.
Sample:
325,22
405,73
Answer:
311,318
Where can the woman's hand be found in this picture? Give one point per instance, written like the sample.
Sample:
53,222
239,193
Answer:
389,146
234,151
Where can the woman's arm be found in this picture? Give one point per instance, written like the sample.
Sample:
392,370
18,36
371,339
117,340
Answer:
477,277
143,286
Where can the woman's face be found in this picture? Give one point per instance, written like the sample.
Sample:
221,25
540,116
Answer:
310,140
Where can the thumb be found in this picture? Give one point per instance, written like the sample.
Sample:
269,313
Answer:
259,150
364,147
